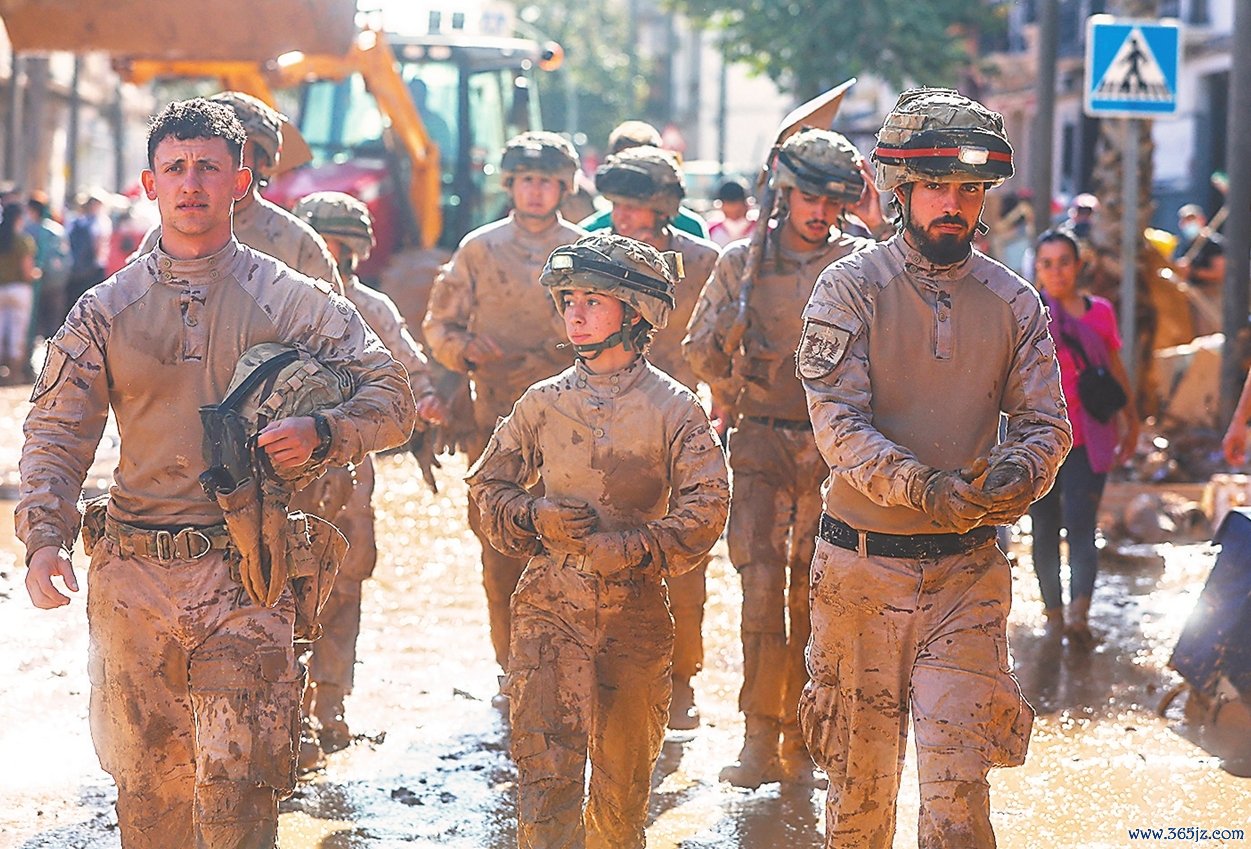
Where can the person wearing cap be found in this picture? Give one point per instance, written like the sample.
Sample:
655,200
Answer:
624,136
635,491
820,177
645,185
1203,265
347,228
259,223
489,318
911,352
734,219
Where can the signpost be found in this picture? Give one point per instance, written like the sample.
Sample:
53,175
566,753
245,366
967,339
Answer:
1131,73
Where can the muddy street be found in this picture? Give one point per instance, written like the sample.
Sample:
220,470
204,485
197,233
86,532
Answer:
430,767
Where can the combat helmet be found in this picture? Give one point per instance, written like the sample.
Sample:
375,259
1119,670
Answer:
636,274
339,216
820,162
262,123
939,134
646,175
546,153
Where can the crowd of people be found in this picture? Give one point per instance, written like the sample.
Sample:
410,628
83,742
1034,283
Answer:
891,395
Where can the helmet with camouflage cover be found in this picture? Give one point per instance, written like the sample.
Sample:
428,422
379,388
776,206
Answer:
336,215
820,162
636,274
646,175
262,123
939,134
543,152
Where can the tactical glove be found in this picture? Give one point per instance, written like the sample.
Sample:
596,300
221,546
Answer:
561,522
423,445
1011,489
954,503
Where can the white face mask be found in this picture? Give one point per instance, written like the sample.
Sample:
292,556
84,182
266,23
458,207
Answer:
1190,229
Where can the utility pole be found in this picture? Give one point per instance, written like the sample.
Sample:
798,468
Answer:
12,118
723,93
71,141
1238,225
1042,149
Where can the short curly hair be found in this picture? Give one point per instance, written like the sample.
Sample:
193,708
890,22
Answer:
197,118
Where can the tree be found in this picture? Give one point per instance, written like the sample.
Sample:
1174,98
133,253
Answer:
808,46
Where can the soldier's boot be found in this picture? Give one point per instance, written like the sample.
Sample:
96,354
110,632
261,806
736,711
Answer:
758,762
683,714
797,766
328,710
1053,624
310,757
1077,625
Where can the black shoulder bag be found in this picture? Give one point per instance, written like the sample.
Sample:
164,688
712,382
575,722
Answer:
1101,394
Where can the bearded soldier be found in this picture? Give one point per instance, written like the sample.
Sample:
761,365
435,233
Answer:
777,470
645,186
489,318
195,687
912,350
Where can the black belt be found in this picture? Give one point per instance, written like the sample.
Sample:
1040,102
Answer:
784,424
912,546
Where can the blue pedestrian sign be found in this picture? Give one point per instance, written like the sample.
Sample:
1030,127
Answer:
1131,67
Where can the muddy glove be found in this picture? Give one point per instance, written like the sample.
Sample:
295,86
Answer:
1011,489
423,445
562,522
951,501
610,552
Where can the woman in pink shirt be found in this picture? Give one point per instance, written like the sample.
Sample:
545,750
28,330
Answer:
1085,334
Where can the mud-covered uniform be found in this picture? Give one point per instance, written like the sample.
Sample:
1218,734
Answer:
589,672
195,691
491,287
907,367
777,469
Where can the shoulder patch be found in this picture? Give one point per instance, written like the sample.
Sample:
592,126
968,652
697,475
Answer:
820,350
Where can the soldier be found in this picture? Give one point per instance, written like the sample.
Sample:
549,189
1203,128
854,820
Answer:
819,176
347,228
259,224
911,351
488,318
195,689
636,491
645,186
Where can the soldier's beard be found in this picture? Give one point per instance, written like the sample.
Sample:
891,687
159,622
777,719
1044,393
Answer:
944,248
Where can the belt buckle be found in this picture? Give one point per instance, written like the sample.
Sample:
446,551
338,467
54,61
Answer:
862,543
190,534
164,544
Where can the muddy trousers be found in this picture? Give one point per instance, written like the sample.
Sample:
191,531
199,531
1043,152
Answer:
195,700
588,685
500,574
894,637
687,594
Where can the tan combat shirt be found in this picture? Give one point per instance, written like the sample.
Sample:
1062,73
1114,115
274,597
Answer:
907,366
270,229
625,442
491,286
384,319
157,341
699,256
764,369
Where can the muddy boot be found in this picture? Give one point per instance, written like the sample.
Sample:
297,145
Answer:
797,766
1076,626
758,762
311,758
683,714
1053,626
328,709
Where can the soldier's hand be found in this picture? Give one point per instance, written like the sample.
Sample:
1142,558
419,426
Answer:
289,442
45,564
869,207
482,349
1011,487
430,408
561,522
1234,445
952,502
609,552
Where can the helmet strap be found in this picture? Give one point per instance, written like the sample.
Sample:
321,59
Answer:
624,337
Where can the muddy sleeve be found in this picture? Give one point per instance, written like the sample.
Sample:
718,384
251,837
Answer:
446,325
62,430
703,345
700,501
1039,435
386,320
317,263
381,412
833,363
500,479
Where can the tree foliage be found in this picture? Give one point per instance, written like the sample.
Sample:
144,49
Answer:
808,46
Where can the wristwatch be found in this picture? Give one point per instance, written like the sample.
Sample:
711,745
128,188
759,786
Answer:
324,436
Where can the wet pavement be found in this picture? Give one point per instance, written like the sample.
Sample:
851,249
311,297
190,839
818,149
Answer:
430,767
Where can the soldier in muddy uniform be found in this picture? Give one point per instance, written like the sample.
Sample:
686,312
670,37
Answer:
911,352
347,228
195,689
635,491
645,186
489,318
777,469
258,223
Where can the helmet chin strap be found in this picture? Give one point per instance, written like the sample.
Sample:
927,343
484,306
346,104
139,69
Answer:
622,337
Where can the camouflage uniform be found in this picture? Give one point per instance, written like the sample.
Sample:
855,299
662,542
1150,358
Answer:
490,286
907,365
195,690
589,674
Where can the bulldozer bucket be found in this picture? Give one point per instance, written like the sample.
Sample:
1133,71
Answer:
250,30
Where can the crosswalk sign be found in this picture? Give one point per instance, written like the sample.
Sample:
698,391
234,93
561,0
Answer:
1131,67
